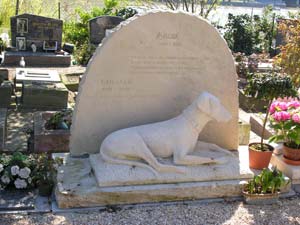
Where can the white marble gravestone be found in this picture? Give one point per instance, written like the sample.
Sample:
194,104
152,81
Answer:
150,70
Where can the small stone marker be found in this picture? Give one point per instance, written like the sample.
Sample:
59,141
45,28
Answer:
99,25
39,95
149,71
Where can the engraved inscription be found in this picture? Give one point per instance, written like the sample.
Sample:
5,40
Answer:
168,65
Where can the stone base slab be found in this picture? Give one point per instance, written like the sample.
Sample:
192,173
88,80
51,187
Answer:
293,172
77,187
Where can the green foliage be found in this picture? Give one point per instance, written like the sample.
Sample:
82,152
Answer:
239,34
84,52
77,31
45,169
126,13
250,34
289,56
266,182
267,86
59,120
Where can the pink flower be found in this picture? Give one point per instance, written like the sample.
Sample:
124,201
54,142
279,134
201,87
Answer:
273,107
278,106
296,118
283,106
281,116
294,104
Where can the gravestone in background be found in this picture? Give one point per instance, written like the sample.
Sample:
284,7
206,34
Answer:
149,71
99,25
36,29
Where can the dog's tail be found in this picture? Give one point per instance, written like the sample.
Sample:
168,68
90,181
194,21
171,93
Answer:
110,159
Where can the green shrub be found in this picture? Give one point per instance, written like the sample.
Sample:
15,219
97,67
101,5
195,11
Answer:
251,35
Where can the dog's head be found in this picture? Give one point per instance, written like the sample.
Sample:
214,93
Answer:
212,106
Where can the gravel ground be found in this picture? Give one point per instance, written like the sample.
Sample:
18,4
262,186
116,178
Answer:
285,212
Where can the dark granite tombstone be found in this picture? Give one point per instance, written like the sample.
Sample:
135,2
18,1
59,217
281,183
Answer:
27,29
99,25
6,89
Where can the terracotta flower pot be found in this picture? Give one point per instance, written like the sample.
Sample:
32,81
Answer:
291,153
259,159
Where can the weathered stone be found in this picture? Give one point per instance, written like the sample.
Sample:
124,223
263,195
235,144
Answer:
99,25
293,172
3,127
71,81
5,94
77,187
137,76
244,132
37,75
49,140
50,96
36,29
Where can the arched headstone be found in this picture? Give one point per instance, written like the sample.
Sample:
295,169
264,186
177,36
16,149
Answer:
150,69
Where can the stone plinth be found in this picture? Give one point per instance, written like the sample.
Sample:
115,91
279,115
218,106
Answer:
51,96
78,187
37,59
49,140
293,172
3,127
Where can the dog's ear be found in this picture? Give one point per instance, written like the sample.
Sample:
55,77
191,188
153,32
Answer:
204,103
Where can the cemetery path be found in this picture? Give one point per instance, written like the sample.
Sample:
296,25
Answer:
19,123
286,212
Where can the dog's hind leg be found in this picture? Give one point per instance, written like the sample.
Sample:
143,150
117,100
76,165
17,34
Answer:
110,159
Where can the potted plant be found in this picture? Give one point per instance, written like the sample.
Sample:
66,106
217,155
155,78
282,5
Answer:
45,172
265,187
285,120
266,86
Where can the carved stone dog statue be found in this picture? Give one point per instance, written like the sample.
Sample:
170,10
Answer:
177,137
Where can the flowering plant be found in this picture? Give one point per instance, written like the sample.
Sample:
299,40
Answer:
26,171
16,171
285,120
